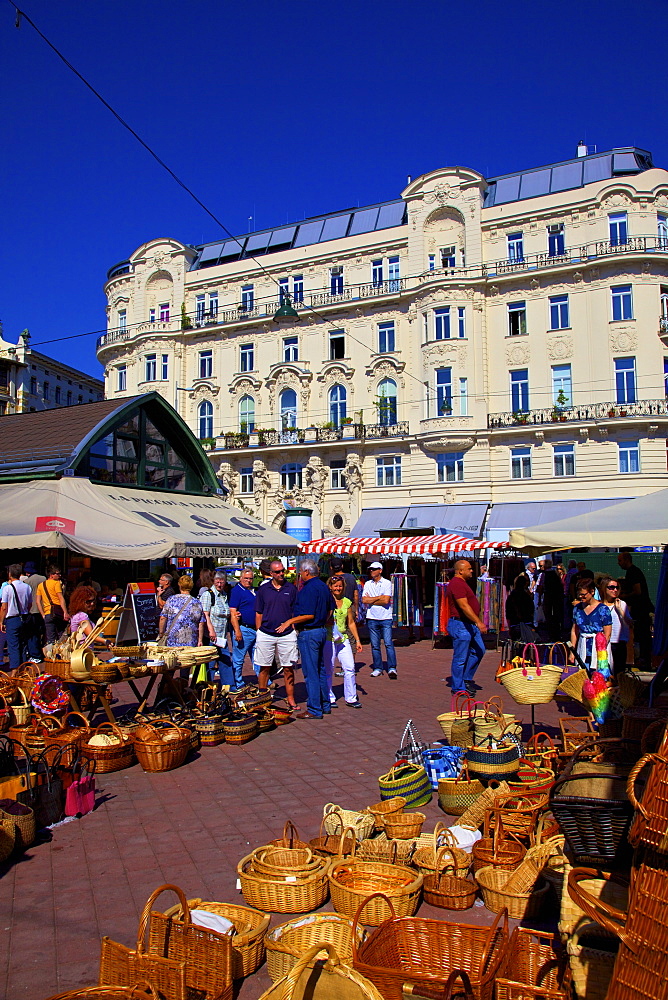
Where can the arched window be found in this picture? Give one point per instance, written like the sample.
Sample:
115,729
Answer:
288,405
387,402
337,404
246,414
291,476
205,419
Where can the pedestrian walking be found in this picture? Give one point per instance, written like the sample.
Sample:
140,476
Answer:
274,603
377,598
242,618
636,594
16,620
466,628
313,612
621,623
338,644
216,614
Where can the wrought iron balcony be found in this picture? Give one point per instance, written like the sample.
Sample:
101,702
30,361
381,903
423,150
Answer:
267,438
588,411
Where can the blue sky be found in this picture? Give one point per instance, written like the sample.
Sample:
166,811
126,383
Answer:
281,110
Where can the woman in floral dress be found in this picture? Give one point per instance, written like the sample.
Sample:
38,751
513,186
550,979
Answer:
181,615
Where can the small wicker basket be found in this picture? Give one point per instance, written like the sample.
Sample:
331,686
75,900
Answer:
404,826
289,941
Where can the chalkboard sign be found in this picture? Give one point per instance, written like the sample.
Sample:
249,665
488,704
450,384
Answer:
139,618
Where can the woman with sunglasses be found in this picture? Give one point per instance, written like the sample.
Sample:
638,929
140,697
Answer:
589,618
81,607
621,622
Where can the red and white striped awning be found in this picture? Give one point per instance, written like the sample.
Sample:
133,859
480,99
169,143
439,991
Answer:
418,545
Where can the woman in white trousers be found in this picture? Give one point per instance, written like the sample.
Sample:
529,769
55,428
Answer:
338,645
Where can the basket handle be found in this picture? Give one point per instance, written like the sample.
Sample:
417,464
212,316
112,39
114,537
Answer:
290,831
393,852
146,912
457,701
487,950
441,851
358,914
438,830
533,746
564,652
115,730
420,990
292,978
77,715
338,819
607,916
634,774
342,840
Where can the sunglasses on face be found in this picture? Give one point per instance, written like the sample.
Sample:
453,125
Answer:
613,586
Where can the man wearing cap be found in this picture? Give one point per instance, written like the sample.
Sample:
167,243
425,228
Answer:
377,599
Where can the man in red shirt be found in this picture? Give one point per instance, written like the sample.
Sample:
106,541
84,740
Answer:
465,627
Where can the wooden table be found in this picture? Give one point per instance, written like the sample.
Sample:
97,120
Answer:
167,688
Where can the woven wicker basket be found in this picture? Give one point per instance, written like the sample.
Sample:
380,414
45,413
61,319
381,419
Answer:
532,969
314,979
380,810
289,941
68,739
493,850
351,882
248,941
520,905
113,757
393,852
329,845
444,888
447,718
211,730
404,826
164,749
20,710
289,838
591,957
361,822
425,858
457,795
240,730
279,862
298,896
20,818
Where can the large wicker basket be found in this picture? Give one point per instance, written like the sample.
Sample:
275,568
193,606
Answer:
267,893
380,810
313,978
532,969
114,756
425,952
361,822
248,941
163,749
289,941
351,882
444,888
456,795
520,905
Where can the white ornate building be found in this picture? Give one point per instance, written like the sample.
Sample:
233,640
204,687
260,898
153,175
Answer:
30,381
476,341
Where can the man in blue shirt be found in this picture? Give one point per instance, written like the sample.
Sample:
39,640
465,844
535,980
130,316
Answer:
242,617
274,603
312,613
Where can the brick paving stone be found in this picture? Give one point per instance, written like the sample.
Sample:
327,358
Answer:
191,826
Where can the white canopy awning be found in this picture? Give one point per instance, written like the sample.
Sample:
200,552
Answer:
643,521
411,545
116,522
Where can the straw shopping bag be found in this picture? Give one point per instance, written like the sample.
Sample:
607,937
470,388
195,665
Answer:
412,746
494,722
591,958
314,979
287,942
446,720
407,780
493,760
425,952
457,795
248,938
205,954
530,683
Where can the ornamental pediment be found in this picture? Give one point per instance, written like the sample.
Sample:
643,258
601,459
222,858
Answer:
244,384
335,372
285,374
385,365
203,387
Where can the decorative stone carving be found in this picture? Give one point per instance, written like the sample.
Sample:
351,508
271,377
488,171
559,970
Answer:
539,436
578,277
445,444
387,368
261,481
450,350
229,478
315,475
625,339
584,435
616,200
353,473
203,389
603,433
244,386
450,496
518,354
335,372
559,348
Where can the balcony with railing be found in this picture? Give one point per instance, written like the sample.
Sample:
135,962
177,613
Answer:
663,330
579,414
268,438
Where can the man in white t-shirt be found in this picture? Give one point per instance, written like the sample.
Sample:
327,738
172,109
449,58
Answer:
16,621
377,599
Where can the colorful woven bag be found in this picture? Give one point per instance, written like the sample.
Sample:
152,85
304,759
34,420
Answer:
408,780
442,762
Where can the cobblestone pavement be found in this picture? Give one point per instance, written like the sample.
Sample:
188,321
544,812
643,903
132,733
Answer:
191,826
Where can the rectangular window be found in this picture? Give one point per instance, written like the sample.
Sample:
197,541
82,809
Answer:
385,338
450,467
629,456
33,385
618,228
80,400
519,390
564,460
377,273
425,326
463,397
46,392
246,358
622,302
432,261
664,302
246,480
247,298
517,319
442,323
393,273
562,385
555,241
388,470
559,318
337,345
443,392
665,377
164,312
213,305
59,394
516,248
625,380
164,367
122,319
151,315
290,349
205,364
200,308
336,280
520,463
150,368
448,257
337,479
283,289
69,397
461,321
662,231
121,378
298,288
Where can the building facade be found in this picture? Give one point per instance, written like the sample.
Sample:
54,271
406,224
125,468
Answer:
475,341
30,382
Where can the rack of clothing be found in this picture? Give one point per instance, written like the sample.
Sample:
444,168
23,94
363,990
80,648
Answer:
492,593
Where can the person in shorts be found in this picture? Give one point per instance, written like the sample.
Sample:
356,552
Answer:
274,603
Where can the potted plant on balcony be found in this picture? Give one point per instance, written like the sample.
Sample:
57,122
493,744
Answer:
558,409
348,429
611,411
520,418
208,443
186,322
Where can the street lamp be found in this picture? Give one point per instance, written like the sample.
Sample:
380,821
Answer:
180,388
